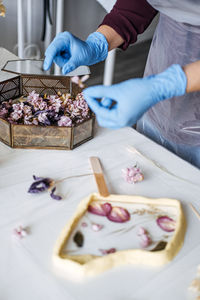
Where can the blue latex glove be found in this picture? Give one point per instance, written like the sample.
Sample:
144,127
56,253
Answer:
132,98
69,52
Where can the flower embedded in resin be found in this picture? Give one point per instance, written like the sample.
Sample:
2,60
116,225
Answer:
58,110
145,239
166,223
113,213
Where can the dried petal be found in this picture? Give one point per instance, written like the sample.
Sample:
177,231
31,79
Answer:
145,240
160,246
78,239
119,215
165,223
75,79
37,178
100,209
141,231
55,197
84,78
108,251
96,227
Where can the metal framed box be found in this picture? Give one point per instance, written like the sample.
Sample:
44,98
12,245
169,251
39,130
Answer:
36,136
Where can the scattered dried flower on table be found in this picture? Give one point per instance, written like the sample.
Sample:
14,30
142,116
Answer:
132,174
20,232
42,184
166,223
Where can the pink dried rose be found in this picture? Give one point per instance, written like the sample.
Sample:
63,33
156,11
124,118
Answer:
16,115
132,174
65,121
33,97
166,223
99,208
107,251
119,215
145,239
20,232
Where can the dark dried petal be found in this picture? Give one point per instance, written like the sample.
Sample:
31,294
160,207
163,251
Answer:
78,239
37,178
160,246
40,185
55,197
39,112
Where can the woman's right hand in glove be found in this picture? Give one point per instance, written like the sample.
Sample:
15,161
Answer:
69,52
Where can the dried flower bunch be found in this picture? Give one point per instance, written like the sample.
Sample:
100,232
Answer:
60,110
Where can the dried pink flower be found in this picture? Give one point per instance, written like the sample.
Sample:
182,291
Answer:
20,232
132,174
65,121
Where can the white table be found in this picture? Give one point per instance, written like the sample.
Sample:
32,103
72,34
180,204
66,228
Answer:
26,269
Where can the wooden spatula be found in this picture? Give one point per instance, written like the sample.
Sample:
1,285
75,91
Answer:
98,174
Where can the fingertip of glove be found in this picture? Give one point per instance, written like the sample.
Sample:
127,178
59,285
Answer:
45,65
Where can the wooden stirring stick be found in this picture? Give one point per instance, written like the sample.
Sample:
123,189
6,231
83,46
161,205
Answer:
98,174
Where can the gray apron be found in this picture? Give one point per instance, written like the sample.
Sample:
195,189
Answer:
175,123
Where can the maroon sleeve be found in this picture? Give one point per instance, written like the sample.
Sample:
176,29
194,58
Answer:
129,18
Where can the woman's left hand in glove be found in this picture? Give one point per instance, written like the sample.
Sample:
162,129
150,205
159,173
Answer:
124,103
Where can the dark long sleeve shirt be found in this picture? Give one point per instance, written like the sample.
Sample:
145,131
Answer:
130,18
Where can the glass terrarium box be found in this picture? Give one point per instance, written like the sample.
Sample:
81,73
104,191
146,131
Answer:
39,109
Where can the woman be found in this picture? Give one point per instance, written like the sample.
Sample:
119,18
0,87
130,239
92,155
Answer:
174,57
